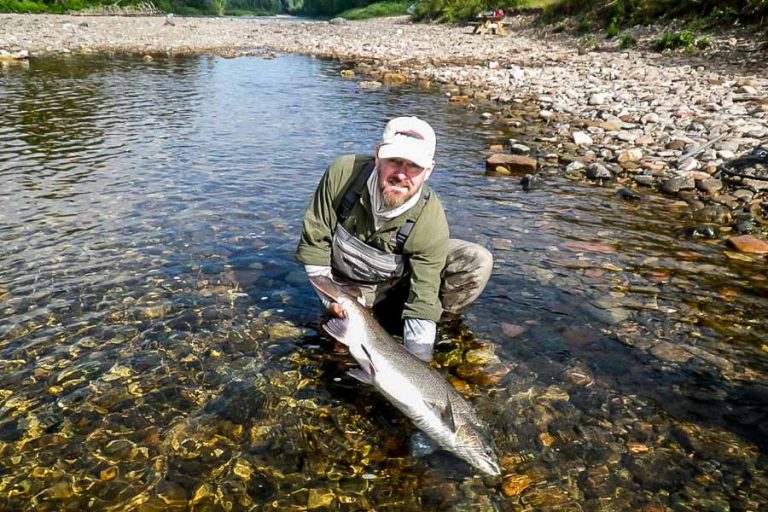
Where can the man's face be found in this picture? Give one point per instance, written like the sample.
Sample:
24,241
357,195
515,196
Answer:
400,179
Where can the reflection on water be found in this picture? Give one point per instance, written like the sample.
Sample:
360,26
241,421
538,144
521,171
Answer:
157,341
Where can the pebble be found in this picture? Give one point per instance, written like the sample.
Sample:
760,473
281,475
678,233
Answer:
519,149
582,139
596,171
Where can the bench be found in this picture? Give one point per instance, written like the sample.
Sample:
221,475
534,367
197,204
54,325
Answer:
486,24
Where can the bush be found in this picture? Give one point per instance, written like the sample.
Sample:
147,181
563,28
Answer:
376,10
449,10
590,42
584,26
673,40
703,43
633,12
612,30
627,41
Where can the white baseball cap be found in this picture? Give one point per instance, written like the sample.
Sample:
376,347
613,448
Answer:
409,138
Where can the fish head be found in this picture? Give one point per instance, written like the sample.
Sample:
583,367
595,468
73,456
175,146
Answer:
336,292
475,447
354,327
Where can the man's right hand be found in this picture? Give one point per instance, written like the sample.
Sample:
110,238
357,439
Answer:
318,270
336,310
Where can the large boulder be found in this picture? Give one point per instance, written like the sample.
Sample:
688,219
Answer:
502,164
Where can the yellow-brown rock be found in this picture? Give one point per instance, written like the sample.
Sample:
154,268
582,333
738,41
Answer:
319,498
631,155
393,78
748,243
459,99
347,73
637,448
546,439
462,387
496,147
517,165
514,485
108,474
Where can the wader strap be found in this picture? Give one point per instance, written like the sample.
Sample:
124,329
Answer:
352,194
405,230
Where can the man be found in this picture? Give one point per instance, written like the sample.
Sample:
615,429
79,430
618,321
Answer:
375,224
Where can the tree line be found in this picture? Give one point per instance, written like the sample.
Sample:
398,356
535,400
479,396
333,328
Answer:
617,12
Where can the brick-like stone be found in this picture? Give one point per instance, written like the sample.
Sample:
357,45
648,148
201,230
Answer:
748,243
517,165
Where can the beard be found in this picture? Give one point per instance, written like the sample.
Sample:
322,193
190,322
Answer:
393,199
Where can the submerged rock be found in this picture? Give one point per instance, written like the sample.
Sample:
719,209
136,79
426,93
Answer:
238,402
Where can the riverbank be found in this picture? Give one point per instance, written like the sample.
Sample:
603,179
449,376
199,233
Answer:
615,116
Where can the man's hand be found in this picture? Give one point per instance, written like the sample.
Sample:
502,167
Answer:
336,310
334,307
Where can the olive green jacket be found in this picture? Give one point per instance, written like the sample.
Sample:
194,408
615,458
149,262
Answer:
425,249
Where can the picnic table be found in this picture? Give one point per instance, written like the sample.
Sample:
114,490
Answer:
489,23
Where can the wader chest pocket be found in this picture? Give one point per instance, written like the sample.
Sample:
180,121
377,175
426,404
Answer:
361,262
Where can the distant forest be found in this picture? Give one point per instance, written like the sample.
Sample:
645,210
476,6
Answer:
620,13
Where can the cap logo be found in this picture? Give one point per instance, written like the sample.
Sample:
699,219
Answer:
411,134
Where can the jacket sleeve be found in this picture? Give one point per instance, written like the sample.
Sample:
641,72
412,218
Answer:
427,248
320,220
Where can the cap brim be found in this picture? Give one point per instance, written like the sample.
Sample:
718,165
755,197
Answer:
402,149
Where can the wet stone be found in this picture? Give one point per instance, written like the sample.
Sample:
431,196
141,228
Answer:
748,244
481,356
744,227
675,185
661,469
647,181
710,185
319,498
596,171
513,164
239,402
628,194
514,485
519,149
670,352
713,213
284,330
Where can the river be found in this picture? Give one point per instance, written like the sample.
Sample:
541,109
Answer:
159,345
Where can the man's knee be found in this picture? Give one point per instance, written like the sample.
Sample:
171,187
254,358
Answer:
470,259
484,262
467,272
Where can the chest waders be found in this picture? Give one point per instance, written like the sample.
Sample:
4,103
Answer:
359,261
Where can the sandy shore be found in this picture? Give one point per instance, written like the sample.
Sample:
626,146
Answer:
598,101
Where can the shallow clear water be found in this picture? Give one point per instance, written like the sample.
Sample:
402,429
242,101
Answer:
158,343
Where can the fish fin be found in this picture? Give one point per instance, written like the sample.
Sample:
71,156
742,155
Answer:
337,327
447,414
361,375
371,367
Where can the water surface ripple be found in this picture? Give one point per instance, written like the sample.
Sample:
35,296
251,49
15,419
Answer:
159,346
